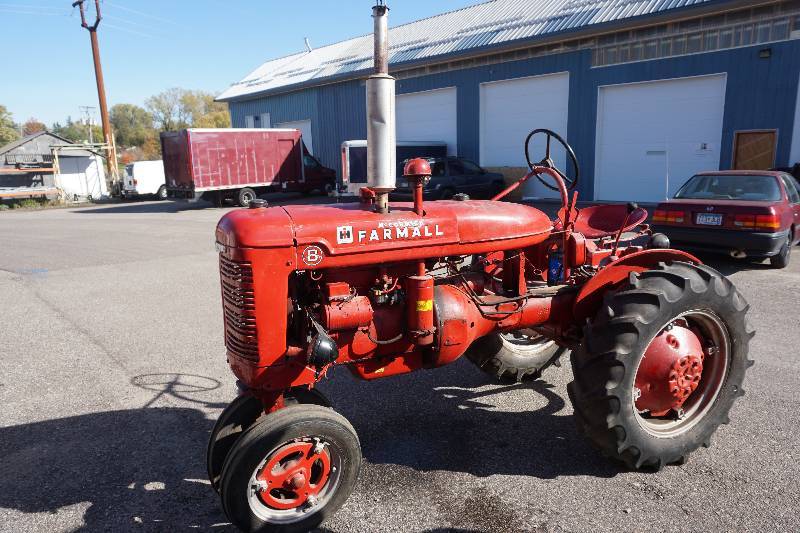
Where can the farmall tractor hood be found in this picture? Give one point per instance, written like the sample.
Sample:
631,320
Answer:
352,228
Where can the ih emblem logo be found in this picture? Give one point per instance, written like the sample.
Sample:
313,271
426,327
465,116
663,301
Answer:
344,235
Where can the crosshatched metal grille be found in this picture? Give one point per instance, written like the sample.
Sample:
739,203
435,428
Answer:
238,302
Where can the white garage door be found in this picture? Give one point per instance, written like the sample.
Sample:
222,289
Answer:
794,156
305,128
428,116
653,136
510,109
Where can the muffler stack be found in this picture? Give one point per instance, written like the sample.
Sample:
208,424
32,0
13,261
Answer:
381,149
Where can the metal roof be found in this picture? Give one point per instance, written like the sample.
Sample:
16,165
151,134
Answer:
489,24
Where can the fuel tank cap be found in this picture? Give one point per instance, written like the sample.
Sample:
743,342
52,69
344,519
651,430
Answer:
256,203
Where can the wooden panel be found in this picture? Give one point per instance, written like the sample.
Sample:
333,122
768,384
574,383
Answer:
754,150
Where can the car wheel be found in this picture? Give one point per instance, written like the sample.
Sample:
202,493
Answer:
784,256
447,194
162,193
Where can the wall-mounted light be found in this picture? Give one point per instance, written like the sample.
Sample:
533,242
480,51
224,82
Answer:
765,53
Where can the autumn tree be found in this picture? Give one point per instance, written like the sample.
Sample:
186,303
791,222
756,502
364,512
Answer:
8,129
167,110
33,126
132,124
203,111
177,108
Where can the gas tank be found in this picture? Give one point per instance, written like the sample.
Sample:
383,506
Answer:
337,235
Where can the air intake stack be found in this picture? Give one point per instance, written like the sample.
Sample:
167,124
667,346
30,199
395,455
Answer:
381,145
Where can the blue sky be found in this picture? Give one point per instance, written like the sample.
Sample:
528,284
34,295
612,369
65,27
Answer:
151,45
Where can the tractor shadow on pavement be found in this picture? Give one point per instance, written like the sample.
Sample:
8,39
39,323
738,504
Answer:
456,419
138,469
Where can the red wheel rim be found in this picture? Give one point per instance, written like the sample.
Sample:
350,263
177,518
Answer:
681,373
294,475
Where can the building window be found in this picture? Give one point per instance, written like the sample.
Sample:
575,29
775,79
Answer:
746,27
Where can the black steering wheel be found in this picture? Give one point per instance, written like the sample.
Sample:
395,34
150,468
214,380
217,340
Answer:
571,183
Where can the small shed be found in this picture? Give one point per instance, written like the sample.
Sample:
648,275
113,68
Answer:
47,165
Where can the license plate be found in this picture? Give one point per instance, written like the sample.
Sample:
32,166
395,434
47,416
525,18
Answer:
709,219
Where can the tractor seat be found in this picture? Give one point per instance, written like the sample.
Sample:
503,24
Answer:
605,220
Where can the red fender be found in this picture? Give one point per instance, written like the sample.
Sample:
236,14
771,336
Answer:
591,294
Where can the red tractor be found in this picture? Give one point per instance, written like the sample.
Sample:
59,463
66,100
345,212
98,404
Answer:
658,341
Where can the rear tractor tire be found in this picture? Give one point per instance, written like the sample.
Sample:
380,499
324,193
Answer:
290,470
661,365
239,415
514,357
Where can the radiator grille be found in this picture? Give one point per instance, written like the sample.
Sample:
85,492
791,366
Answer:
238,303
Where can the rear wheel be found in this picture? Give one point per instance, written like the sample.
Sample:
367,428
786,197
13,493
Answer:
516,356
291,470
239,415
161,194
245,196
784,255
661,365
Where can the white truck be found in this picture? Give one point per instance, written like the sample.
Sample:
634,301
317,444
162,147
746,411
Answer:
144,178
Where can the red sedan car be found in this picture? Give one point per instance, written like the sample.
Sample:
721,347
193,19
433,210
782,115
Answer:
741,213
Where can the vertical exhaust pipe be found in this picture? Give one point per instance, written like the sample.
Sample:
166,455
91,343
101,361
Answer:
381,145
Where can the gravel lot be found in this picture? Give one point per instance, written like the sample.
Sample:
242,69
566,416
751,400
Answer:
113,371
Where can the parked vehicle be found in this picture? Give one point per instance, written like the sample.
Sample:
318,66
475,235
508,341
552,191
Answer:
144,178
354,161
752,214
453,175
238,164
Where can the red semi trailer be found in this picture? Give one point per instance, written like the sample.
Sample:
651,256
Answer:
236,165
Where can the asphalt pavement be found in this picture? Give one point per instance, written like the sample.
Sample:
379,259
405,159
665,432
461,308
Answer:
113,372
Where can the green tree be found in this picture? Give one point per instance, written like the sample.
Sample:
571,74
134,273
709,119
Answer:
77,132
8,129
33,126
132,124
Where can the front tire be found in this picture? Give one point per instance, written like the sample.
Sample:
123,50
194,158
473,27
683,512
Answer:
237,417
514,357
646,415
291,470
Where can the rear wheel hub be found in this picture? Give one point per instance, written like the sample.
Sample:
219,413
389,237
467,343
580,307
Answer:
670,371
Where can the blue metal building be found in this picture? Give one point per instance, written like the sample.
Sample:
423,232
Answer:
646,91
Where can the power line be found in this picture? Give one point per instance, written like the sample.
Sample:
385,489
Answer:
141,13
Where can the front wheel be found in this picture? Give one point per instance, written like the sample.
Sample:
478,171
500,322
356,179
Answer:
661,365
239,415
291,470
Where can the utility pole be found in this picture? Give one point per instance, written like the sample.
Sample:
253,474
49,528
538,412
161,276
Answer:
87,112
101,90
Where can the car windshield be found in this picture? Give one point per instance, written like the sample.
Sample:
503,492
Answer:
731,187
